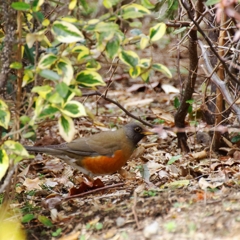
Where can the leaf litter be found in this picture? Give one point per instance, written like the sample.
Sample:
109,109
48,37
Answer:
164,194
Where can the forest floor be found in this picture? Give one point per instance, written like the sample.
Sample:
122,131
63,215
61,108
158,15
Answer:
164,194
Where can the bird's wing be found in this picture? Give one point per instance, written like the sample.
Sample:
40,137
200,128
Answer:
104,143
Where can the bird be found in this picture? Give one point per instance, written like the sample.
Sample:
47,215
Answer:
103,153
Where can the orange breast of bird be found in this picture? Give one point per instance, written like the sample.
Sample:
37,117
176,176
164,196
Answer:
105,164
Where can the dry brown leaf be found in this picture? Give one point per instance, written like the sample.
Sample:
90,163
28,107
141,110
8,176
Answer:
199,155
137,102
71,236
32,184
167,88
161,114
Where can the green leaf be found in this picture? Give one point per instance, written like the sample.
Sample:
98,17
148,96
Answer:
99,226
89,79
161,68
49,74
112,47
83,52
145,63
45,221
106,27
47,61
74,109
4,115
157,32
42,90
173,159
235,139
66,32
65,70
20,6
93,65
176,184
72,4
147,4
48,111
15,148
27,218
110,3
84,4
25,119
4,163
28,134
145,76
38,16
62,89
144,42
55,98
134,11
130,58
134,72
66,128
27,77
177,31
212,2
16,65
29,54
176,102
36,5
57,232
170,226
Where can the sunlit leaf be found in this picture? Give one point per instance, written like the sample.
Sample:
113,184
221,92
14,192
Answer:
16,148
161,68
157,32
45,221
74,109
66,128
212,2
10,227
144,42
134,11
134,71
4,114
110,3
20,6
145,76
130,58
42,90
49,74
66,32
48,111
16,65
72,4
4,163
47,60
89,79
65,70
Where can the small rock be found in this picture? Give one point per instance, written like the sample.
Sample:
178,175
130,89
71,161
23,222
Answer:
151,229
120,221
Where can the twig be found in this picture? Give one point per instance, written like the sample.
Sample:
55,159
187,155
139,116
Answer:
209,43
219,83
8,178
119,105
134,209
93,191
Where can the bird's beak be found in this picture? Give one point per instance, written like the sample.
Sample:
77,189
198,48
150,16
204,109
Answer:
148,132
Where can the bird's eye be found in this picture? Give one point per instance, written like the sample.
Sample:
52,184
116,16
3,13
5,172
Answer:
138,129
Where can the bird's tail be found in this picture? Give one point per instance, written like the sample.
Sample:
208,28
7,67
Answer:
48,150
